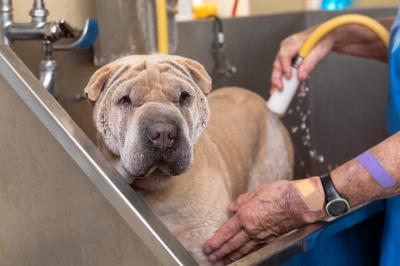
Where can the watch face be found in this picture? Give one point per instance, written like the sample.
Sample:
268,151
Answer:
337,207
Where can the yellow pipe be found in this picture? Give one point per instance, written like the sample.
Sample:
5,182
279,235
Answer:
334,23
162,26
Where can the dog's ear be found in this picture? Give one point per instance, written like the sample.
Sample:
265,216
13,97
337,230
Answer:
199,75
98,81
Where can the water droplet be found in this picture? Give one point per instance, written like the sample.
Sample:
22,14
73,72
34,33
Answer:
302,130
302,94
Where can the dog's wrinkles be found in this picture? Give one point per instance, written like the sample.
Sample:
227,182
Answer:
192,204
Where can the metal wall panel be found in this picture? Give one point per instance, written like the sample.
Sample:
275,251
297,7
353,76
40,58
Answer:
51,213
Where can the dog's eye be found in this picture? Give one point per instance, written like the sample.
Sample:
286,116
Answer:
124,100
185,98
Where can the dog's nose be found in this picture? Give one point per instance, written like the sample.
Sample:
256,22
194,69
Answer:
162,135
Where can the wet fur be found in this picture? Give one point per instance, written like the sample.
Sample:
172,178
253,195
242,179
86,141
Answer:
238,147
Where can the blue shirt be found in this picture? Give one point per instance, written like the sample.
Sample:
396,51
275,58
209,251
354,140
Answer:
390,253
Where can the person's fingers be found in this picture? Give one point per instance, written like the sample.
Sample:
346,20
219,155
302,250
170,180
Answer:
285,60
242,199
223,234
250,246
308,65
234,243
276,76
315,56
245,249
302,85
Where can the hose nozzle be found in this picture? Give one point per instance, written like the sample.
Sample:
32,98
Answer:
280,100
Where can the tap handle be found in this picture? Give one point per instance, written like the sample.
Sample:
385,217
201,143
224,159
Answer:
67,30
85,38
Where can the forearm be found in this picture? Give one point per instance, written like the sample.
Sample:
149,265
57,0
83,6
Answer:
361,41
358,186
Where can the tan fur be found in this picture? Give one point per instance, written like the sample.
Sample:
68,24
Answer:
242,146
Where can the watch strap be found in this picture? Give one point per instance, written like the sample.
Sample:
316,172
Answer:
329,188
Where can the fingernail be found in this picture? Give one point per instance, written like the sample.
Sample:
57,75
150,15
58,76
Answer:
212,258
207,249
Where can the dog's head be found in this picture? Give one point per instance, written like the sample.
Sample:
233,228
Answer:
150,110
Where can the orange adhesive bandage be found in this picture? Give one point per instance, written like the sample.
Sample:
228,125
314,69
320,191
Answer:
309,193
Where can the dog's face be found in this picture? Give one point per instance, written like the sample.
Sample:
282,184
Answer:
150,110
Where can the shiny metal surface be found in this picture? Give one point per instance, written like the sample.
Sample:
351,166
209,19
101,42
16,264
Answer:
38,12
281,249
129,27
38,29
128,204
5,18
47,74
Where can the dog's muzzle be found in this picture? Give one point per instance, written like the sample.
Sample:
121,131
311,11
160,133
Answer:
162,135
160,143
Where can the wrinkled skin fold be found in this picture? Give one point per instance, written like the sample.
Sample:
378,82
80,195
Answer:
188,151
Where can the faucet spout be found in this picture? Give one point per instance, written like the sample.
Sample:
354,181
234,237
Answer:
47,74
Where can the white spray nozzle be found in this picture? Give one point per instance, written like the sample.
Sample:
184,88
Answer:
280,100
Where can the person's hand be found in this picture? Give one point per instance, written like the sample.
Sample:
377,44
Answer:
271,210
290,47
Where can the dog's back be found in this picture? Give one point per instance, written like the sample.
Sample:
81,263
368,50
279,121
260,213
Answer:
256,145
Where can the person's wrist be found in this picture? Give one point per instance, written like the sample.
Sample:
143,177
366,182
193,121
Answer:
312,199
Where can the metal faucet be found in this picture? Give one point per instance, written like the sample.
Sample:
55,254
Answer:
48,32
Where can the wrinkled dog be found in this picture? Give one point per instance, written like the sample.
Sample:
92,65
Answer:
188,154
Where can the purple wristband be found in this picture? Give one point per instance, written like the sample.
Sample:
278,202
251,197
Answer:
376,170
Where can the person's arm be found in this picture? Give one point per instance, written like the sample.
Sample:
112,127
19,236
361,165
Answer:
354,181
279,207
361,41
349,39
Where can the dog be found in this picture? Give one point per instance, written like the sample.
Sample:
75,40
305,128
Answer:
188,152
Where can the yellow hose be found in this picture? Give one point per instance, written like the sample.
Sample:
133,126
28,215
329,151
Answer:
334,23
162,26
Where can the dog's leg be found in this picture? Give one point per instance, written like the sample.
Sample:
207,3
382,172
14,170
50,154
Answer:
275,157
194,238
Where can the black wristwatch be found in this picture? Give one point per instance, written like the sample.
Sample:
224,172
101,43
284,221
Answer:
335,204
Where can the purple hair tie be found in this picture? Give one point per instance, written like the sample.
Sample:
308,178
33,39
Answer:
376,170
